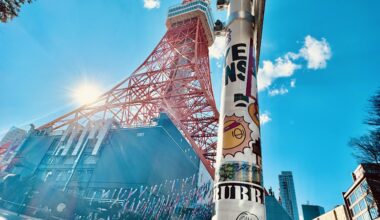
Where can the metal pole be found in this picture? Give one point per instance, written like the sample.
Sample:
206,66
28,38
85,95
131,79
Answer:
238,189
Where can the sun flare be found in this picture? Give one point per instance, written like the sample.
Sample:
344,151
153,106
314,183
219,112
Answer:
86,93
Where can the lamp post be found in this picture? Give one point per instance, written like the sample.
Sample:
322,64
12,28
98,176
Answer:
238,189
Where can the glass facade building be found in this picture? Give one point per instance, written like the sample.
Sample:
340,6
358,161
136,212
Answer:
363,197
274,210
288,194
311,211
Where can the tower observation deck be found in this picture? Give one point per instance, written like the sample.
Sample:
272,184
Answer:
193,9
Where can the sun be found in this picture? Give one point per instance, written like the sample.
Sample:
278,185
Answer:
86,93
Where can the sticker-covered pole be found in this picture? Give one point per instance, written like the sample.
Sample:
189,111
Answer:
238,189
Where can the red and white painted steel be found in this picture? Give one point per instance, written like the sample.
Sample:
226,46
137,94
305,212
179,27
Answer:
175,78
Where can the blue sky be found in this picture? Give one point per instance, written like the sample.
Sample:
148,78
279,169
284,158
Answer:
54,46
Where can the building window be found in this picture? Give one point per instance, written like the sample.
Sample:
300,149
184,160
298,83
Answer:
358,192
362,204
366,216
356,209
374,213
359,218
369,199
352,198
364,186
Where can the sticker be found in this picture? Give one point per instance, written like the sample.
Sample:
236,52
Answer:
240,171
239,191
236,135
236,69
240,100
256,147
241,68
247,216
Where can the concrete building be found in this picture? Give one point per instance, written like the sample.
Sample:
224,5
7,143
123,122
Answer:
14,136
288,194
311,211
274,210
338,213
9,146
363,197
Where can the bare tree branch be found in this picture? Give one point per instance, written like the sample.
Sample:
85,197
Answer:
10,8
374,111
367,147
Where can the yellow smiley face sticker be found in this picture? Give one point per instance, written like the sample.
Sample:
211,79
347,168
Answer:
234,134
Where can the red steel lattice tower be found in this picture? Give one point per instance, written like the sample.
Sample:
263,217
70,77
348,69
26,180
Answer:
175,78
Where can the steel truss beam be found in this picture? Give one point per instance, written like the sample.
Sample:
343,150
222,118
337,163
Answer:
175,78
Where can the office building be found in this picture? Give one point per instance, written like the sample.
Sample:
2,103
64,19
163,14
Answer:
338,213
13,136
288,194
363,197
311,211
9,145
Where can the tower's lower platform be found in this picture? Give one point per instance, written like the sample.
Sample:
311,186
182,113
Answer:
139,172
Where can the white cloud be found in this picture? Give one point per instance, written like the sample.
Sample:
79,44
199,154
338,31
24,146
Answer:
280,91
315,52
293,83
217,49
282,67
150,4
265,118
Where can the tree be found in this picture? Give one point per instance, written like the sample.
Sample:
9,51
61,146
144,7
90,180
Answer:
367,147
10,8
374,112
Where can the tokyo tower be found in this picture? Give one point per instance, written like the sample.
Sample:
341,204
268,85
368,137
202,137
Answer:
175,79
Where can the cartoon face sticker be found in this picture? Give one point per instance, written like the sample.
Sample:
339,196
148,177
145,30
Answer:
236,135
247,216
